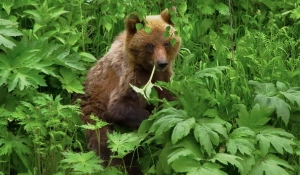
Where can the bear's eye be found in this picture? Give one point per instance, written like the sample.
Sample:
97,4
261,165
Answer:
150,47
167,44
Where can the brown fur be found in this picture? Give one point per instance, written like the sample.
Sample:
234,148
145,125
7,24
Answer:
130,60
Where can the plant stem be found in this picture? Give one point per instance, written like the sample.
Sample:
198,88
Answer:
149,81
231,30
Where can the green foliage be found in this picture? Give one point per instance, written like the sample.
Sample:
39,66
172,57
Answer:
42,128
81,163
271,165
8,29
237,87
122,144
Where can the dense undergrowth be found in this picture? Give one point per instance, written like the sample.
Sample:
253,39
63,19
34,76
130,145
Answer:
237,82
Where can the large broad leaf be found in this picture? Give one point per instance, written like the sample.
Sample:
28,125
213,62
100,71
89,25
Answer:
7,29
207,169
210,72
293,95
282,108
228,159
122,144
247,163
26,64
182,129
208,131
206,9
25,78
179,153
267,96
271,165
10,143
168,118
85,163
222,8
278,138
185,164
259,116
6,42
242,140
193,167
70,81
64,57
268,89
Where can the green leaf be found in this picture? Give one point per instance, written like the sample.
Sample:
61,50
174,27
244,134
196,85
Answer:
122,144
185,164
268,89
271,165
247,162
173,41
12,83
210,72
293,95
70,82
138,90
191,144
57,12
205,136
108,26
267,97
259,116
241,139
84,163
226,29
222,8
180,152
182,129
7,29
276,137
282,108
227,158
9,32
207,133
167,32
206,9
281,86
73,62
63,57
205,169
182,8
148,89
147,29
169,117
211,113
139,26
6,42
99,124
87,57
295,13
4,76
7,5
10,143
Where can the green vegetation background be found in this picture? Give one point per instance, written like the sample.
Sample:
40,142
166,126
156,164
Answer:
237,82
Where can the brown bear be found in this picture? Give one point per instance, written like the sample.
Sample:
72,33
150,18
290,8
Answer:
130,60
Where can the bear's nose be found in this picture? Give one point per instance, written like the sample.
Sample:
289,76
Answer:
161,65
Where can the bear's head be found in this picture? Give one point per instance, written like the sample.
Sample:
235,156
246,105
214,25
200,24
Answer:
145,50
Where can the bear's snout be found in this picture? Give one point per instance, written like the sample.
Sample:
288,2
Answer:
161,65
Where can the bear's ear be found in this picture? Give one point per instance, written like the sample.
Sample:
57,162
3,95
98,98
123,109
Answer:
131,21
166,16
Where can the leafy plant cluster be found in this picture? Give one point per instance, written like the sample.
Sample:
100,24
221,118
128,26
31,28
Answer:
236,83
